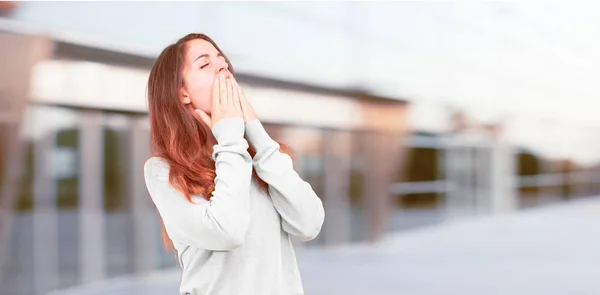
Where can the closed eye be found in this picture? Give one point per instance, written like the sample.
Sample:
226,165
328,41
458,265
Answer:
220,55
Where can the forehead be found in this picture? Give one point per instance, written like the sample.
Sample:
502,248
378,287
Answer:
198,47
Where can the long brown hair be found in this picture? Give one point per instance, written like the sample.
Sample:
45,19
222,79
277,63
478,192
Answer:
178,137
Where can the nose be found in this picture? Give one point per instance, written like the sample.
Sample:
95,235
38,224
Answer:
222,66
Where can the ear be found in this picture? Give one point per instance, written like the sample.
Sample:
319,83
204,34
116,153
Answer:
184,96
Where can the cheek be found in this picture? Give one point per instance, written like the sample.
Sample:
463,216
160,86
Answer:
201,93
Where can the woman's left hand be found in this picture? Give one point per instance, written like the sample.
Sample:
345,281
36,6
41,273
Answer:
247,109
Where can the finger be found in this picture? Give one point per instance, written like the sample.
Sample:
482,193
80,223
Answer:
240,98
223,89
205,118
236,97
237,89
243,97
230,98
215,98
234,81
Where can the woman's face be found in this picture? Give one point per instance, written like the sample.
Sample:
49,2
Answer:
203,62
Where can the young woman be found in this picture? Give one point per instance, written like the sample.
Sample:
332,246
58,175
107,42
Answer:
226,192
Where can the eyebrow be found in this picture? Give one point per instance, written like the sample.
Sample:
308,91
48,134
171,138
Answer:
205,55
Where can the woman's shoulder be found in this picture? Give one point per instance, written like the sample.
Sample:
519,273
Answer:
156,166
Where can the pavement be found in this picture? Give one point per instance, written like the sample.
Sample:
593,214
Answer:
549,250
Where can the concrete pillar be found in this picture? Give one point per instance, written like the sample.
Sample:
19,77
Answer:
45,217
337,151
91,195
383,158
146,229
459,162
503,189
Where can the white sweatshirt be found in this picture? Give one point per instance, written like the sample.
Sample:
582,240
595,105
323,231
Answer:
238,243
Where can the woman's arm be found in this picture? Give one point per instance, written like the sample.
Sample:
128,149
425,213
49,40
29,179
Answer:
298,205
218,224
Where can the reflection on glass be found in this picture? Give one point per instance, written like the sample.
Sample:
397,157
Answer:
116,135
65,163
307,148
119,227
528,165
356,191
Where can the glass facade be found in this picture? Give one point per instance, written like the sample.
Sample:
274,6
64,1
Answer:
80,180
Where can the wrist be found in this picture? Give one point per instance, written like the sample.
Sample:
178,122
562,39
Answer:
257,135
228,128
250,118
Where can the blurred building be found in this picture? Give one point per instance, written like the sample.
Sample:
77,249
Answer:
75,207
352,105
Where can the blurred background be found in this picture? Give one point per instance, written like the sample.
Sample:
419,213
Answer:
455,145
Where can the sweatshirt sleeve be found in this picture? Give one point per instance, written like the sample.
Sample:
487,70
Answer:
300,208
221,222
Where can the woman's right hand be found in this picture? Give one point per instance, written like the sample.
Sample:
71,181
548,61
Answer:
225,102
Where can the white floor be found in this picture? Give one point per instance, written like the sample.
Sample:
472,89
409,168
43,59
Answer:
555,250
551,250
